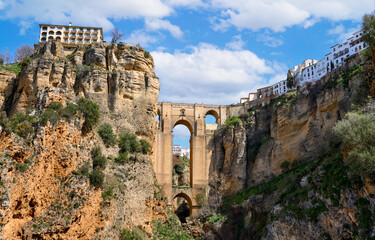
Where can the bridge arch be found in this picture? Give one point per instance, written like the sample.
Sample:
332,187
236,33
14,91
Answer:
188,199
186,123
213,113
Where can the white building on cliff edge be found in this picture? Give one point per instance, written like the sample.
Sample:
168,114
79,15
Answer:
313,70
70,36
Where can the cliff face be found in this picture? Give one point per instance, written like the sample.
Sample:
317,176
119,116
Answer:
293,127
291,130
45,194
119,78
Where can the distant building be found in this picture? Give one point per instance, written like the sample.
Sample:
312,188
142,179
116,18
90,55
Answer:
180,151
279,88
313,70
70,36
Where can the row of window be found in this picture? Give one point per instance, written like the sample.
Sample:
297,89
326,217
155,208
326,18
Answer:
67,29
66,40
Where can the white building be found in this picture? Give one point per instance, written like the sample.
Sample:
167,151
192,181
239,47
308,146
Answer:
180,151
313,70
279,88
70,36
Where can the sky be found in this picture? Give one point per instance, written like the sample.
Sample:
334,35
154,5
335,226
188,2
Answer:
205,51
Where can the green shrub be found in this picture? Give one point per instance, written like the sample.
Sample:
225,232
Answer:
285,166
108,195
57,106
49,115
21,167
217,218
106,133
127,234
99,162
96,178
170,230
178,169
357,133
147,54
84,170
69,111
144,146
90,111
26,61
24,129
128,143
18,118
122,158
232,121
96,151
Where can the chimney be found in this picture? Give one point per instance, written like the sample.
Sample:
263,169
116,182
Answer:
70,23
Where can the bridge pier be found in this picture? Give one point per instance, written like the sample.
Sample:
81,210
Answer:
193,117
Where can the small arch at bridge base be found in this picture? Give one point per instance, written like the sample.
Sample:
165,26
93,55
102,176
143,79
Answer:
184,208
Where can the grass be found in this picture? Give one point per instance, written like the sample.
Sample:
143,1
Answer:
181,187
13,67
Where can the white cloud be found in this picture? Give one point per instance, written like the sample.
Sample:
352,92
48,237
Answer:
181,132
24,26
342,33
84,12
186,3
236,44
209,74
269,40
158,24
280,14
2,5
141,37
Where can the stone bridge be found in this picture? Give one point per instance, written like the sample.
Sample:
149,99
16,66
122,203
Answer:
201,147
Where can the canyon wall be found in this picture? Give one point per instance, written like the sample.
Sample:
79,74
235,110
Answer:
44,194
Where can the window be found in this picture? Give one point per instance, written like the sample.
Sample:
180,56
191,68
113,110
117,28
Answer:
337,61
342,59
360,47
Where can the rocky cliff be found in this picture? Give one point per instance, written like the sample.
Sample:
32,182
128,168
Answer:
286,133
47,175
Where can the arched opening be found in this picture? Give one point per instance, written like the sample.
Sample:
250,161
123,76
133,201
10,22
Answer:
58,33
50,38
211,120
182,206
58,38
157,119
43,39
51,33
181,154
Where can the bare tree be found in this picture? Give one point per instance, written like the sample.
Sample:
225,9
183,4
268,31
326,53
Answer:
116,35
5,58
23,52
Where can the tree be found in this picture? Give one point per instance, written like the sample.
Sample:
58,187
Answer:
5,58
116,35
23,52
357,134
368,27
289,79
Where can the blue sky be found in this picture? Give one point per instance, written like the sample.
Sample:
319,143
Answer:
205,51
